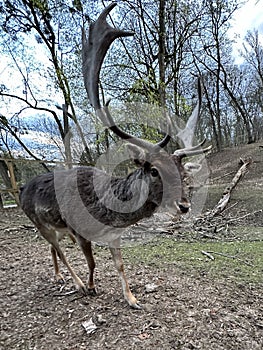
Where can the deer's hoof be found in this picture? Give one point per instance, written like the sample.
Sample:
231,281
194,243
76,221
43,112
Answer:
82,290
92,291
132,301
60,279
137,306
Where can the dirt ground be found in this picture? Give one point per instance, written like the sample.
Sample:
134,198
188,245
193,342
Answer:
184,311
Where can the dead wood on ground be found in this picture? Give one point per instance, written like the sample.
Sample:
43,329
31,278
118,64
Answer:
221,205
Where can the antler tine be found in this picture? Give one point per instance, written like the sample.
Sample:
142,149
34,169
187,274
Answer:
167,137
186,135
192,151
94,49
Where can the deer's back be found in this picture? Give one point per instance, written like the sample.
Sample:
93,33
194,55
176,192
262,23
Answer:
39,197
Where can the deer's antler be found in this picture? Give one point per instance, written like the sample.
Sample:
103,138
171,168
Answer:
192,151
186,135
94,49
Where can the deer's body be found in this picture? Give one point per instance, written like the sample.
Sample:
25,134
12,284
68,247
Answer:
89,204
39,197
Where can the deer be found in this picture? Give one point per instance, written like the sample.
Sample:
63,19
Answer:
90,205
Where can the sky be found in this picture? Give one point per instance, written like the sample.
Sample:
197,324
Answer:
248,17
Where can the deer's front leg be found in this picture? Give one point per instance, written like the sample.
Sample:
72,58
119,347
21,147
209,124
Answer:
117,258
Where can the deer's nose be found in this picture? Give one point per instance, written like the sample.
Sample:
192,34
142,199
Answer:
184,207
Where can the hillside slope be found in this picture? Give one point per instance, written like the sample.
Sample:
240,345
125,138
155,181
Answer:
247,197
227,161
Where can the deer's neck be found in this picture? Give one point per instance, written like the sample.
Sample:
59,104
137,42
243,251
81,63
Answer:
134,197
117,202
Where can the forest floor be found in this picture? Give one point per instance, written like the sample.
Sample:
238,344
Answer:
200,289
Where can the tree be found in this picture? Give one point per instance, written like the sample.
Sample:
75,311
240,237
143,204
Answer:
175,42
49,22
216,59
253,74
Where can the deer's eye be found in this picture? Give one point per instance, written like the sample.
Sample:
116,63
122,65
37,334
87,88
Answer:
154,172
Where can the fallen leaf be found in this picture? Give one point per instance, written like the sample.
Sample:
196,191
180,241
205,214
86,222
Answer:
89,326
143,336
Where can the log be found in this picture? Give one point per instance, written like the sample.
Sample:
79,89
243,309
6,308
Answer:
221,205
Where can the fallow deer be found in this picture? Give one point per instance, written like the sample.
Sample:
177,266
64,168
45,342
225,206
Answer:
89,204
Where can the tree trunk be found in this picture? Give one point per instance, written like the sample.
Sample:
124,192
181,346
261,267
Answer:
161,55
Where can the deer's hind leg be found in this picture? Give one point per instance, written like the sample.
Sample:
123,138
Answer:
58,276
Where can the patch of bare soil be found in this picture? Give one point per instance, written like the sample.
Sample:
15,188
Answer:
182,312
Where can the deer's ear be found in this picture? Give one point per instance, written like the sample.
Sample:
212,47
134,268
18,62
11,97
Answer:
137,153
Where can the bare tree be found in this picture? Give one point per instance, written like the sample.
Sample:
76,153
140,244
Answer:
250,83
43,19
215,57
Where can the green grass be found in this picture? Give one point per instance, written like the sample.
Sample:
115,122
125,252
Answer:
9,202
246,266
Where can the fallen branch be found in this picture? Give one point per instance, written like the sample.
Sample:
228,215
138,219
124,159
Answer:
227,192
245,216
222,176
230,257
210,256
230,207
